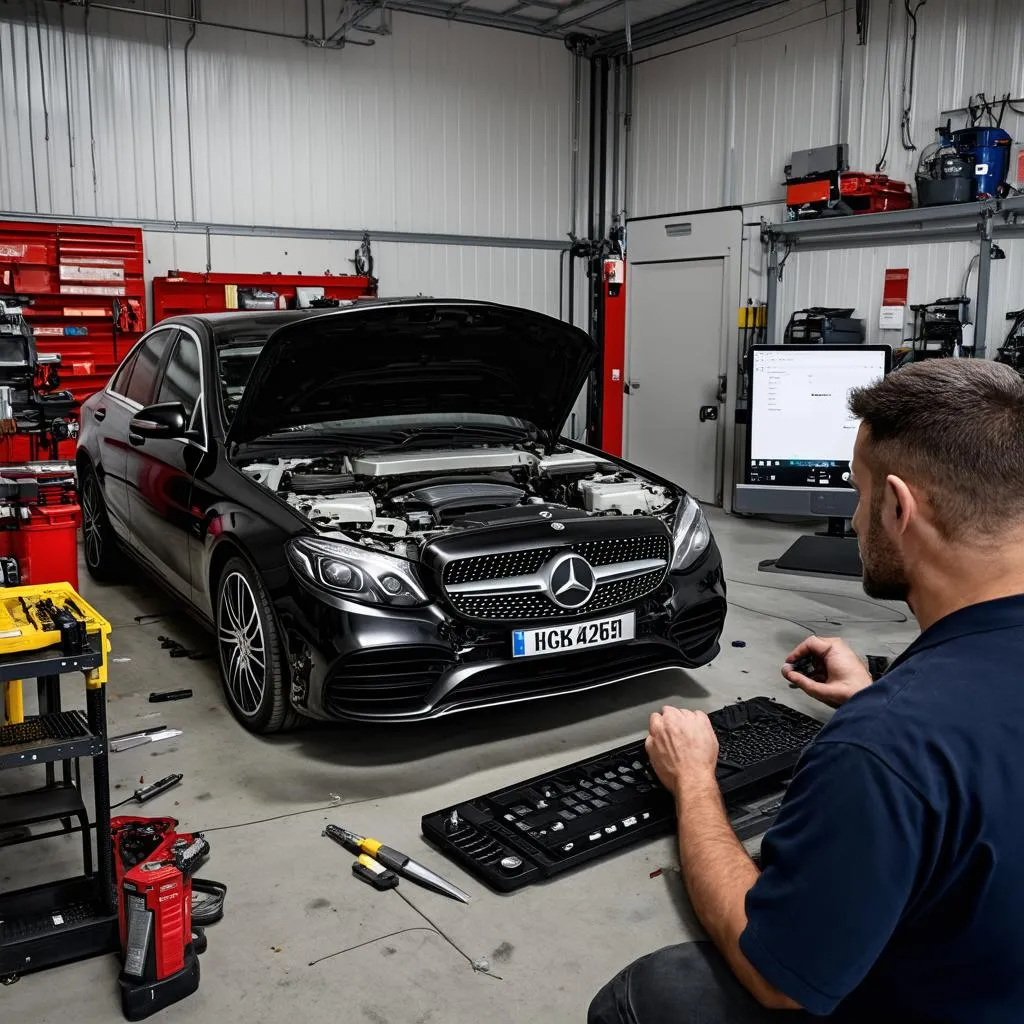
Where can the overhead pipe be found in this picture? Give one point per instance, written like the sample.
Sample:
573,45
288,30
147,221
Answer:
186,19
170,115
188,111
92,127
31,126
67,106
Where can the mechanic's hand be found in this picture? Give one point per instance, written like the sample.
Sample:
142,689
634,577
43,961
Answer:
682,747
845,673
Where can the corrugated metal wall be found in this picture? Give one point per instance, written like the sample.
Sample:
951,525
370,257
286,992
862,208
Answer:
717,115
439,127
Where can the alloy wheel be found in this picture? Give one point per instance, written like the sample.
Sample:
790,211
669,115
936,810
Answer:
243,652
92,524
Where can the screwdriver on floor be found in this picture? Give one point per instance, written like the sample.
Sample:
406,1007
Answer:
396,861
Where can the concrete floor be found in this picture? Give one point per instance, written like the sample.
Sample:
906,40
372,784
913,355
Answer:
301,938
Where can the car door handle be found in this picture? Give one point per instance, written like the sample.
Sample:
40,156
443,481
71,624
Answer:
136,439
100,414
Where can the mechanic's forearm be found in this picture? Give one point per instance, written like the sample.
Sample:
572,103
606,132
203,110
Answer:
718,874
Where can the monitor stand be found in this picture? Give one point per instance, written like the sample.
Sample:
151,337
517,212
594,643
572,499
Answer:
831,554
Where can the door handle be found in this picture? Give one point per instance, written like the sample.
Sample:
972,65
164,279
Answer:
630,386
100,414
708,412
136,439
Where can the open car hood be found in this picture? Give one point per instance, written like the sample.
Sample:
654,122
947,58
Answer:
419,356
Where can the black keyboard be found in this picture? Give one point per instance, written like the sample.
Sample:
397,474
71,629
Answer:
557,821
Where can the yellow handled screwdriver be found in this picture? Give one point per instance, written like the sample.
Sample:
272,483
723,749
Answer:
398,862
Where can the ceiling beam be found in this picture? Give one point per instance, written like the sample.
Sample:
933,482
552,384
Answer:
692,18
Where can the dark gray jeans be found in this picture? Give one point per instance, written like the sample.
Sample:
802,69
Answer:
686,984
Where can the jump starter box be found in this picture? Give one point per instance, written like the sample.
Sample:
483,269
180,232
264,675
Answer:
154,867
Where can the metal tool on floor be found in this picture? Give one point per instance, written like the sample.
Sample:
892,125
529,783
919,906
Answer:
398,862
374,873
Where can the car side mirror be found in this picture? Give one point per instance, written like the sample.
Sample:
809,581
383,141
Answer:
166,421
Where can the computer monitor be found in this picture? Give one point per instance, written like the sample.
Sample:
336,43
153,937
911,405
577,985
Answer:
800,436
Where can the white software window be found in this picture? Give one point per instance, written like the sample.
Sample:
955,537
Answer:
799,406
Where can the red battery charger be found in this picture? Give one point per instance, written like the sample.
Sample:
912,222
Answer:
154,867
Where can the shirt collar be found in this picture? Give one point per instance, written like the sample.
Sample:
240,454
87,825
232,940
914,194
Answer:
1002,613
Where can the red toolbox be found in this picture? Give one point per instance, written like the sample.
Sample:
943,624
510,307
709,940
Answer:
874,193
46,545
183,291
41,522
87,293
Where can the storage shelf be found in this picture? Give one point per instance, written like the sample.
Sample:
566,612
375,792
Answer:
48,738
52,924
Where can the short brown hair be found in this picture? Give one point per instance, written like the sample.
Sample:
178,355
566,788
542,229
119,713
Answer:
956,428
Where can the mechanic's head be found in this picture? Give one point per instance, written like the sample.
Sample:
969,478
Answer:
939,464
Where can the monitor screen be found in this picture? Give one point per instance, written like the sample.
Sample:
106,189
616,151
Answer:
801,432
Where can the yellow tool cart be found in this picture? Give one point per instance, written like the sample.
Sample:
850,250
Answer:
48,632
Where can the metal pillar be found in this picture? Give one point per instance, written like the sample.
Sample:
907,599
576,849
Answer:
984,277
772,296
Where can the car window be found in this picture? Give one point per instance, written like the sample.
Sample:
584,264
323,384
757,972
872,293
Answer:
180,382
234,365
142,385
119,382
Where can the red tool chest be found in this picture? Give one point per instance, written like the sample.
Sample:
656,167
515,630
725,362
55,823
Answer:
188,292
87,290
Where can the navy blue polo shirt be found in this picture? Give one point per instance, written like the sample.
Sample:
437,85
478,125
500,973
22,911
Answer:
893,879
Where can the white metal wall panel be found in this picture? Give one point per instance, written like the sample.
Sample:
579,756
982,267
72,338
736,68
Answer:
780,92
440,127
785,94
521,277
679,132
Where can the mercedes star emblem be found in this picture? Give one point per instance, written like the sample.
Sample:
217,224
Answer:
571,580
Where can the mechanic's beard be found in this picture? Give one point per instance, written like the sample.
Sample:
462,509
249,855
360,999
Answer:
884,572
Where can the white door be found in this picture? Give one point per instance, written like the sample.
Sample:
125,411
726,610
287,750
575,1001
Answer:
674,334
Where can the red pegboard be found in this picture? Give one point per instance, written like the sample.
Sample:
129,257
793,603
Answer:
74,274
188,292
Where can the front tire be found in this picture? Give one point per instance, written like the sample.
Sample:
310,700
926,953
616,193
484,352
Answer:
252,664
99,541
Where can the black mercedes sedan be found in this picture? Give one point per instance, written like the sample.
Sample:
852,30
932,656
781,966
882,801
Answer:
374,509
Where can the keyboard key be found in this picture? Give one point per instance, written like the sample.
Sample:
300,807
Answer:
586,784
629,780
581,809
567,815
614,786
598,804
521,810
628,822
558,826
594,836
608,776
637,766
610,830
600,791
568,847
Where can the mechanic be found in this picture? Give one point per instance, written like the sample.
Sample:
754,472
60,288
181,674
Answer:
890,886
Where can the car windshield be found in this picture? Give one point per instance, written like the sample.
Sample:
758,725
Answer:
235,362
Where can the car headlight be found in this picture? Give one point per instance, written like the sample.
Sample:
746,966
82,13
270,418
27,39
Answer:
357,573
690,534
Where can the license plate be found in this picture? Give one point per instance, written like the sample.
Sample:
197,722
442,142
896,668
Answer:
555,639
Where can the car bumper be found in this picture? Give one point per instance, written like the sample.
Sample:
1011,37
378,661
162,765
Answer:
355,662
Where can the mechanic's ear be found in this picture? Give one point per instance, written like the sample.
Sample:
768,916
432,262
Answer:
901,500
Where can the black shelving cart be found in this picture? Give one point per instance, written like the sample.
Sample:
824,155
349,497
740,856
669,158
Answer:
76,917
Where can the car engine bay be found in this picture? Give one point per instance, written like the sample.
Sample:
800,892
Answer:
397,501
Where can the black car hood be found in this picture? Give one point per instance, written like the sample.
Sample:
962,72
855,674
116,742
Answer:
424,356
